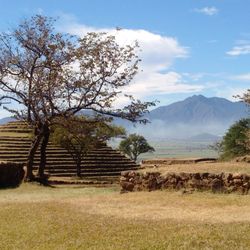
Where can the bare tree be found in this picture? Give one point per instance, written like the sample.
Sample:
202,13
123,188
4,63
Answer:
49,75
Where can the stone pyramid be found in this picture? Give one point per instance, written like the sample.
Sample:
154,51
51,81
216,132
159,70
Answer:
103,162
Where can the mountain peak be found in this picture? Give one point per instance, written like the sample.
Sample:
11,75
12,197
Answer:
199,109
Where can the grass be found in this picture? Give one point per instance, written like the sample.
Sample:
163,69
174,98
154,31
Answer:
35,217
215,167
179,149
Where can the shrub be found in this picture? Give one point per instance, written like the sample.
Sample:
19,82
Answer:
236,141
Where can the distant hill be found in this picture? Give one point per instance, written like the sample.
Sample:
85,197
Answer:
199,109
6,120
204,137
196,116
191,117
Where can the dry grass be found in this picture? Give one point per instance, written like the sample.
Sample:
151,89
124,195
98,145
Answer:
163,205
35,217
216,167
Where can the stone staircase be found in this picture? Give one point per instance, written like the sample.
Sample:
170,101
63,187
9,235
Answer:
103,163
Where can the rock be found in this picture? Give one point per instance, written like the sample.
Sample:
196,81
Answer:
122,178
204,175
11,174
196,176
223,182
216,185
125,173
238,181
184,176
128,186
237,176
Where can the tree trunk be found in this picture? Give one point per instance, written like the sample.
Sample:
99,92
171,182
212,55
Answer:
78,168
31,156
46,134
33,148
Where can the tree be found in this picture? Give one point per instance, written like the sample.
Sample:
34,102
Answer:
245,97
50,75
236,140
134,145
79,135
216,146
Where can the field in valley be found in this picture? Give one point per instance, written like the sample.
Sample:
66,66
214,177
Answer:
179,149
176,148
36,217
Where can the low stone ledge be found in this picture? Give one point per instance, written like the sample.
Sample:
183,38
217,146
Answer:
11,174
149,181
172,161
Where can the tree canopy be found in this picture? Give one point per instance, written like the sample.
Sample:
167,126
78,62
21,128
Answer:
48,74
134,145
236,140
80,135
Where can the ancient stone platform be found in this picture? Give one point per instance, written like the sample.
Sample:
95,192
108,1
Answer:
101,163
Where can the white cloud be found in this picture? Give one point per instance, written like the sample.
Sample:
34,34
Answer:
158,54
209,11
243,77
230,92
239,50
160,84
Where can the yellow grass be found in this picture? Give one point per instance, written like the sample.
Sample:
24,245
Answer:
35,217
216,167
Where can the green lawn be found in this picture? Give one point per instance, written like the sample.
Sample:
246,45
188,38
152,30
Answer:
35,217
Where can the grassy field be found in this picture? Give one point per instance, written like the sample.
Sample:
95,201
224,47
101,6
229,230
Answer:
179,149
214,167
36,217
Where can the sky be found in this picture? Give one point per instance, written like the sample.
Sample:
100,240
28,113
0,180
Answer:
187,47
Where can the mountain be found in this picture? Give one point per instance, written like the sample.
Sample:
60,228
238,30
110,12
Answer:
6,120
193,116
199,109
204,137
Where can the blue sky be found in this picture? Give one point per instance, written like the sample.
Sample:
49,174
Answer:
188,46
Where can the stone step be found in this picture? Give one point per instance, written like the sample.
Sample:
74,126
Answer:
89,170
63,154
70,163
103,162
105,174
14,139
19,130
53,156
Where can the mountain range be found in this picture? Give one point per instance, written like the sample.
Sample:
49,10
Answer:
196,115
199,109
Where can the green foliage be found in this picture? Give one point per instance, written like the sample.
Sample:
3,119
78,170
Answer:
236,140
79,135
135,145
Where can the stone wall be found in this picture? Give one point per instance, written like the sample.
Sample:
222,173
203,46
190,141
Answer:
188,182
11,174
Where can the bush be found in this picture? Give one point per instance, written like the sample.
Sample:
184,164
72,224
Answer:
134,145
236,141
11,174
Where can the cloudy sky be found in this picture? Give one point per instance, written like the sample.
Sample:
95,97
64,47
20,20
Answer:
187,47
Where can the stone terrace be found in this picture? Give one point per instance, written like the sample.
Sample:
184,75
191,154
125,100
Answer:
101,163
